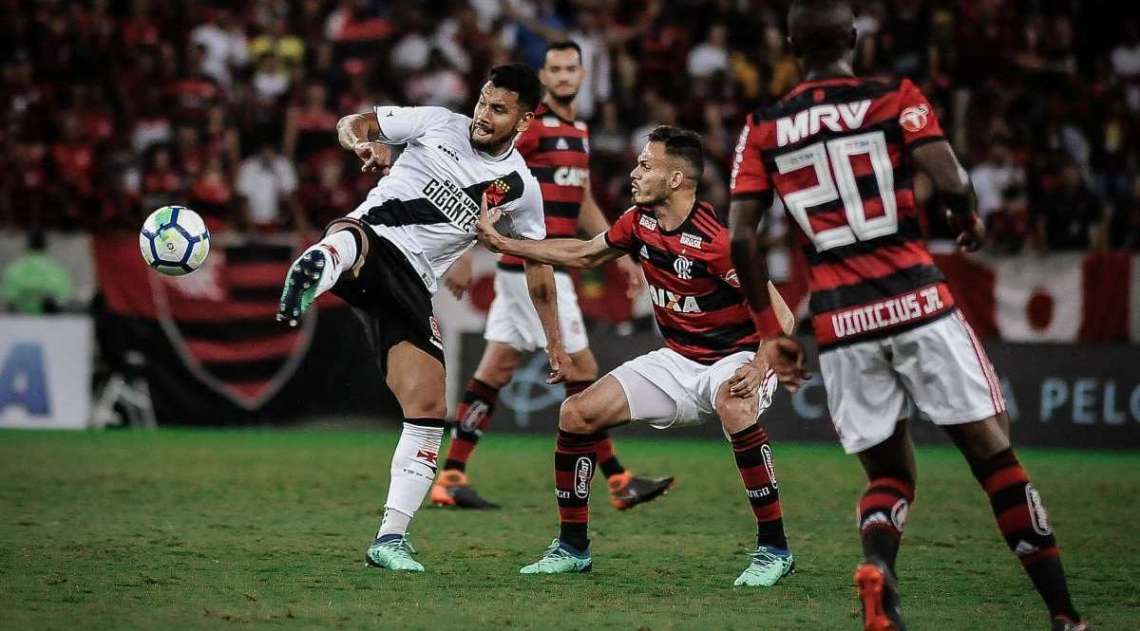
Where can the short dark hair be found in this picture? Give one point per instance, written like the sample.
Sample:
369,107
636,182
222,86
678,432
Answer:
821,31
520,79
683,144
565,44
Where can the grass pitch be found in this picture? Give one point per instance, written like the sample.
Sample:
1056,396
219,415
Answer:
195,529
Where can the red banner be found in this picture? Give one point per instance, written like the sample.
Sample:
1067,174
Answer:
220,319
1056,298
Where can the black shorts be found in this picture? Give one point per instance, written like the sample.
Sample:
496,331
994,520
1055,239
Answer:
390,299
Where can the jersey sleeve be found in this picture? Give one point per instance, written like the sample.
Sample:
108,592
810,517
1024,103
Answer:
620,235
525,215
749,178
403,124
527,142
916,116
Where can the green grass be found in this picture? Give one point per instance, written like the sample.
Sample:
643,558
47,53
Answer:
189,529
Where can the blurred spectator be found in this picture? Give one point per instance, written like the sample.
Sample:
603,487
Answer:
354,21
1126,63
211,193
162,184
223,41
277,41
194,92
710,57
410,54
107,108
597,86
1071,217
267,181
438,84
331,194
994,176
310,125
1007,226
271,80
35,283
1125,226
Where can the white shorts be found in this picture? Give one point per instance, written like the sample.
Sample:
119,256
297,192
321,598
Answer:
665,389
939,366
513,320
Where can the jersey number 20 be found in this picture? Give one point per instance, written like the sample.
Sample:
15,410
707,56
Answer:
837,154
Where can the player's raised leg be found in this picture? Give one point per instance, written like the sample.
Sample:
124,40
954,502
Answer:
1019,511
772,559
419,387
316,271
581,420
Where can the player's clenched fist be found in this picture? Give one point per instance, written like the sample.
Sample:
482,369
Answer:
485,227
377,156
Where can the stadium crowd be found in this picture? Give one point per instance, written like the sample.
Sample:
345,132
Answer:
115,107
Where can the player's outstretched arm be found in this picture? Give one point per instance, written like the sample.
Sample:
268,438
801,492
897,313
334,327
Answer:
749,256
953,185
565,252
593,222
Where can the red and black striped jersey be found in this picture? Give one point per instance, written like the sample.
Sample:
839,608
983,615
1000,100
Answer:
696,295
836,152
557,152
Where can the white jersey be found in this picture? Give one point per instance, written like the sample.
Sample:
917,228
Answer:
428,204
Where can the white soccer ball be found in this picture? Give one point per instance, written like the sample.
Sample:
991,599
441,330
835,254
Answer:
174,240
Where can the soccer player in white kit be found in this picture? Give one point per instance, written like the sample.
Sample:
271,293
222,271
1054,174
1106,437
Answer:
556,148
386,257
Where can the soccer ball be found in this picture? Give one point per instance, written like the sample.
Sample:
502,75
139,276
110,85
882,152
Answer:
174,240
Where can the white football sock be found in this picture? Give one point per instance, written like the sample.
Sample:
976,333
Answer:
339,249
413,469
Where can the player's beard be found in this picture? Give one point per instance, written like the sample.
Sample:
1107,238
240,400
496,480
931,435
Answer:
646,198
564,100
491,145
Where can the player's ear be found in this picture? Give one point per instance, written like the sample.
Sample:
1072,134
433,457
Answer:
524,122
676,179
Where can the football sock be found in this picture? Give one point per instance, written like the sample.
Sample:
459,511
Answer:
574,462
340,251
882,516
413,469
607,461
472,418
1023,522
754,459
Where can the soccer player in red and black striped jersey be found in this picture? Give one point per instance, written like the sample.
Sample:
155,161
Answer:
709,369
840,151
556,149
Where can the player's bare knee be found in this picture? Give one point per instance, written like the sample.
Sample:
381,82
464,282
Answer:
736,413
572,417
424,409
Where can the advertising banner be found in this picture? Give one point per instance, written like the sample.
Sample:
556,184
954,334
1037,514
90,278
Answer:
45,372
1057,395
